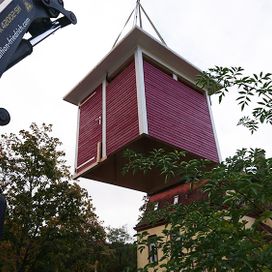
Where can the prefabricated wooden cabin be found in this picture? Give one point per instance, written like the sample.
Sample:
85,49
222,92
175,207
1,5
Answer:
141,96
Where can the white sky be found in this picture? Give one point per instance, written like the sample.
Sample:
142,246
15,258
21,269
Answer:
205,32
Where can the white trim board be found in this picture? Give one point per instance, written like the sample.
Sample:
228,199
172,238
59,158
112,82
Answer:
104,120
141,98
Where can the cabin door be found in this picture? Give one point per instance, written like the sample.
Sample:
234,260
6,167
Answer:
90,131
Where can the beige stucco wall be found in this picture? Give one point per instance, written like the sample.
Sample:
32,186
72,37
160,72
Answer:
251,220
142,257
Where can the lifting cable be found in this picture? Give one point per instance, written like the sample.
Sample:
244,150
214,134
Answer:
137,10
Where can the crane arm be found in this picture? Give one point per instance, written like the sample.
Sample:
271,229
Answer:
25,23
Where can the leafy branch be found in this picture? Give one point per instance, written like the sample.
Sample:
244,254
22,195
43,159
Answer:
170,164
219,80
229,229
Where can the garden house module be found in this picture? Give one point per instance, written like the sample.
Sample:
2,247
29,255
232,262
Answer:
141,96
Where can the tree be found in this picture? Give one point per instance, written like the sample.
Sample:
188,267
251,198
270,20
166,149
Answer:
254,90
118,235
122,251
215,234
231,229
50,223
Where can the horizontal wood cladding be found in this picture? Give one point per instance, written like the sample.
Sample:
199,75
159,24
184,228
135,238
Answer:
90,129
121,114
178,114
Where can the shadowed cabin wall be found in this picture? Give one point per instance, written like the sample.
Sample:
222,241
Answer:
178,114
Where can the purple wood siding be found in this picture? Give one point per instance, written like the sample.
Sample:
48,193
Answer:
178,115
122,112
90,129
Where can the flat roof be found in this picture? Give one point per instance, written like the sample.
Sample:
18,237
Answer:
150,46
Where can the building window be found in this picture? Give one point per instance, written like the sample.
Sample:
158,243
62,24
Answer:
176,199
152,249
156,206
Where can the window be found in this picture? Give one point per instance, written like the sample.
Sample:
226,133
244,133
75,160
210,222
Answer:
152,249
176,199
156,206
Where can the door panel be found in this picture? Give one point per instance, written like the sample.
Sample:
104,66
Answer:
90,129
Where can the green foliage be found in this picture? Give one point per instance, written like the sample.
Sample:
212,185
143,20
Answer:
50,223
122,251
170,164
255,90
118,235
215,234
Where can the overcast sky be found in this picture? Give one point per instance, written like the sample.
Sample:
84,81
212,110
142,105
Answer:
205,32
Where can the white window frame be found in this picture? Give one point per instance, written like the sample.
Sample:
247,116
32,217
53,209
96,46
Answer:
176,199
